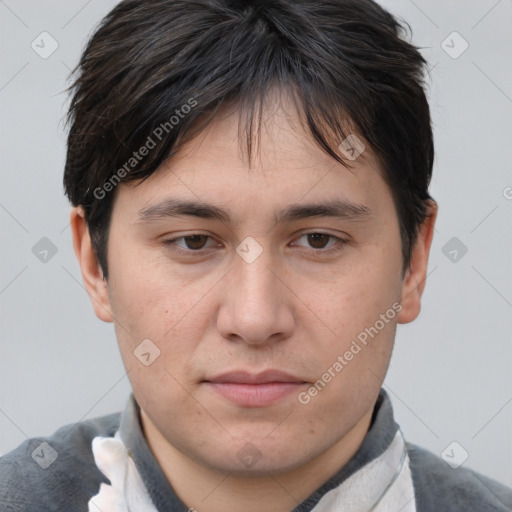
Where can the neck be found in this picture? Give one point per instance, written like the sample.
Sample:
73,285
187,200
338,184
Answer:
207,490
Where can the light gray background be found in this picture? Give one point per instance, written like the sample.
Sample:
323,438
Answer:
450,378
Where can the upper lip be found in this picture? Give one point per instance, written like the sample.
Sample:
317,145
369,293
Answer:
245,377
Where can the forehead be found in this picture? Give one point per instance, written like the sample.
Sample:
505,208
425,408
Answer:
288,167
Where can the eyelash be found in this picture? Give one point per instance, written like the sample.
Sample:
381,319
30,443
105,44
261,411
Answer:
340,243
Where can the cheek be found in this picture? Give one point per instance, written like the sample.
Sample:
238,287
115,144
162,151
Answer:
353,300
151,297
154,314
357,314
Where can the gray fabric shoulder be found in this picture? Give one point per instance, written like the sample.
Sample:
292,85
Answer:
439,487
57,472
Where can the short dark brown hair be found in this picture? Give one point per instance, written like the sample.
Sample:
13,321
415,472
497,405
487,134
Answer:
167,67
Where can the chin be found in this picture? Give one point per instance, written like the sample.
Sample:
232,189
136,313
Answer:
244,458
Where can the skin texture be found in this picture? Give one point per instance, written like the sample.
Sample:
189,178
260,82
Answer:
290,309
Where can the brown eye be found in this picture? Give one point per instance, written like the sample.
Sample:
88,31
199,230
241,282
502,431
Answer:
189,244
318,240
321,243
195,242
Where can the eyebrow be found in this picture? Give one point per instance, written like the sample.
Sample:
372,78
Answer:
336,208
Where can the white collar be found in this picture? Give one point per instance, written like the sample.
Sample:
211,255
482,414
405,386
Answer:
384,484
127,492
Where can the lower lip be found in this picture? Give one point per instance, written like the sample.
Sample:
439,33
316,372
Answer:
255,395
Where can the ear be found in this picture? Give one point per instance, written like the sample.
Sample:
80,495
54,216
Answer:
92,275
415,276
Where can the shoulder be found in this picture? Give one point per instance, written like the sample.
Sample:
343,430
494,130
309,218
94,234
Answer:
437,486
56,472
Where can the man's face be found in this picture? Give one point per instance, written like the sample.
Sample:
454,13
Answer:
252,293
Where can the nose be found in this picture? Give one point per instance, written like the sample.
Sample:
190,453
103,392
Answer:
257,305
